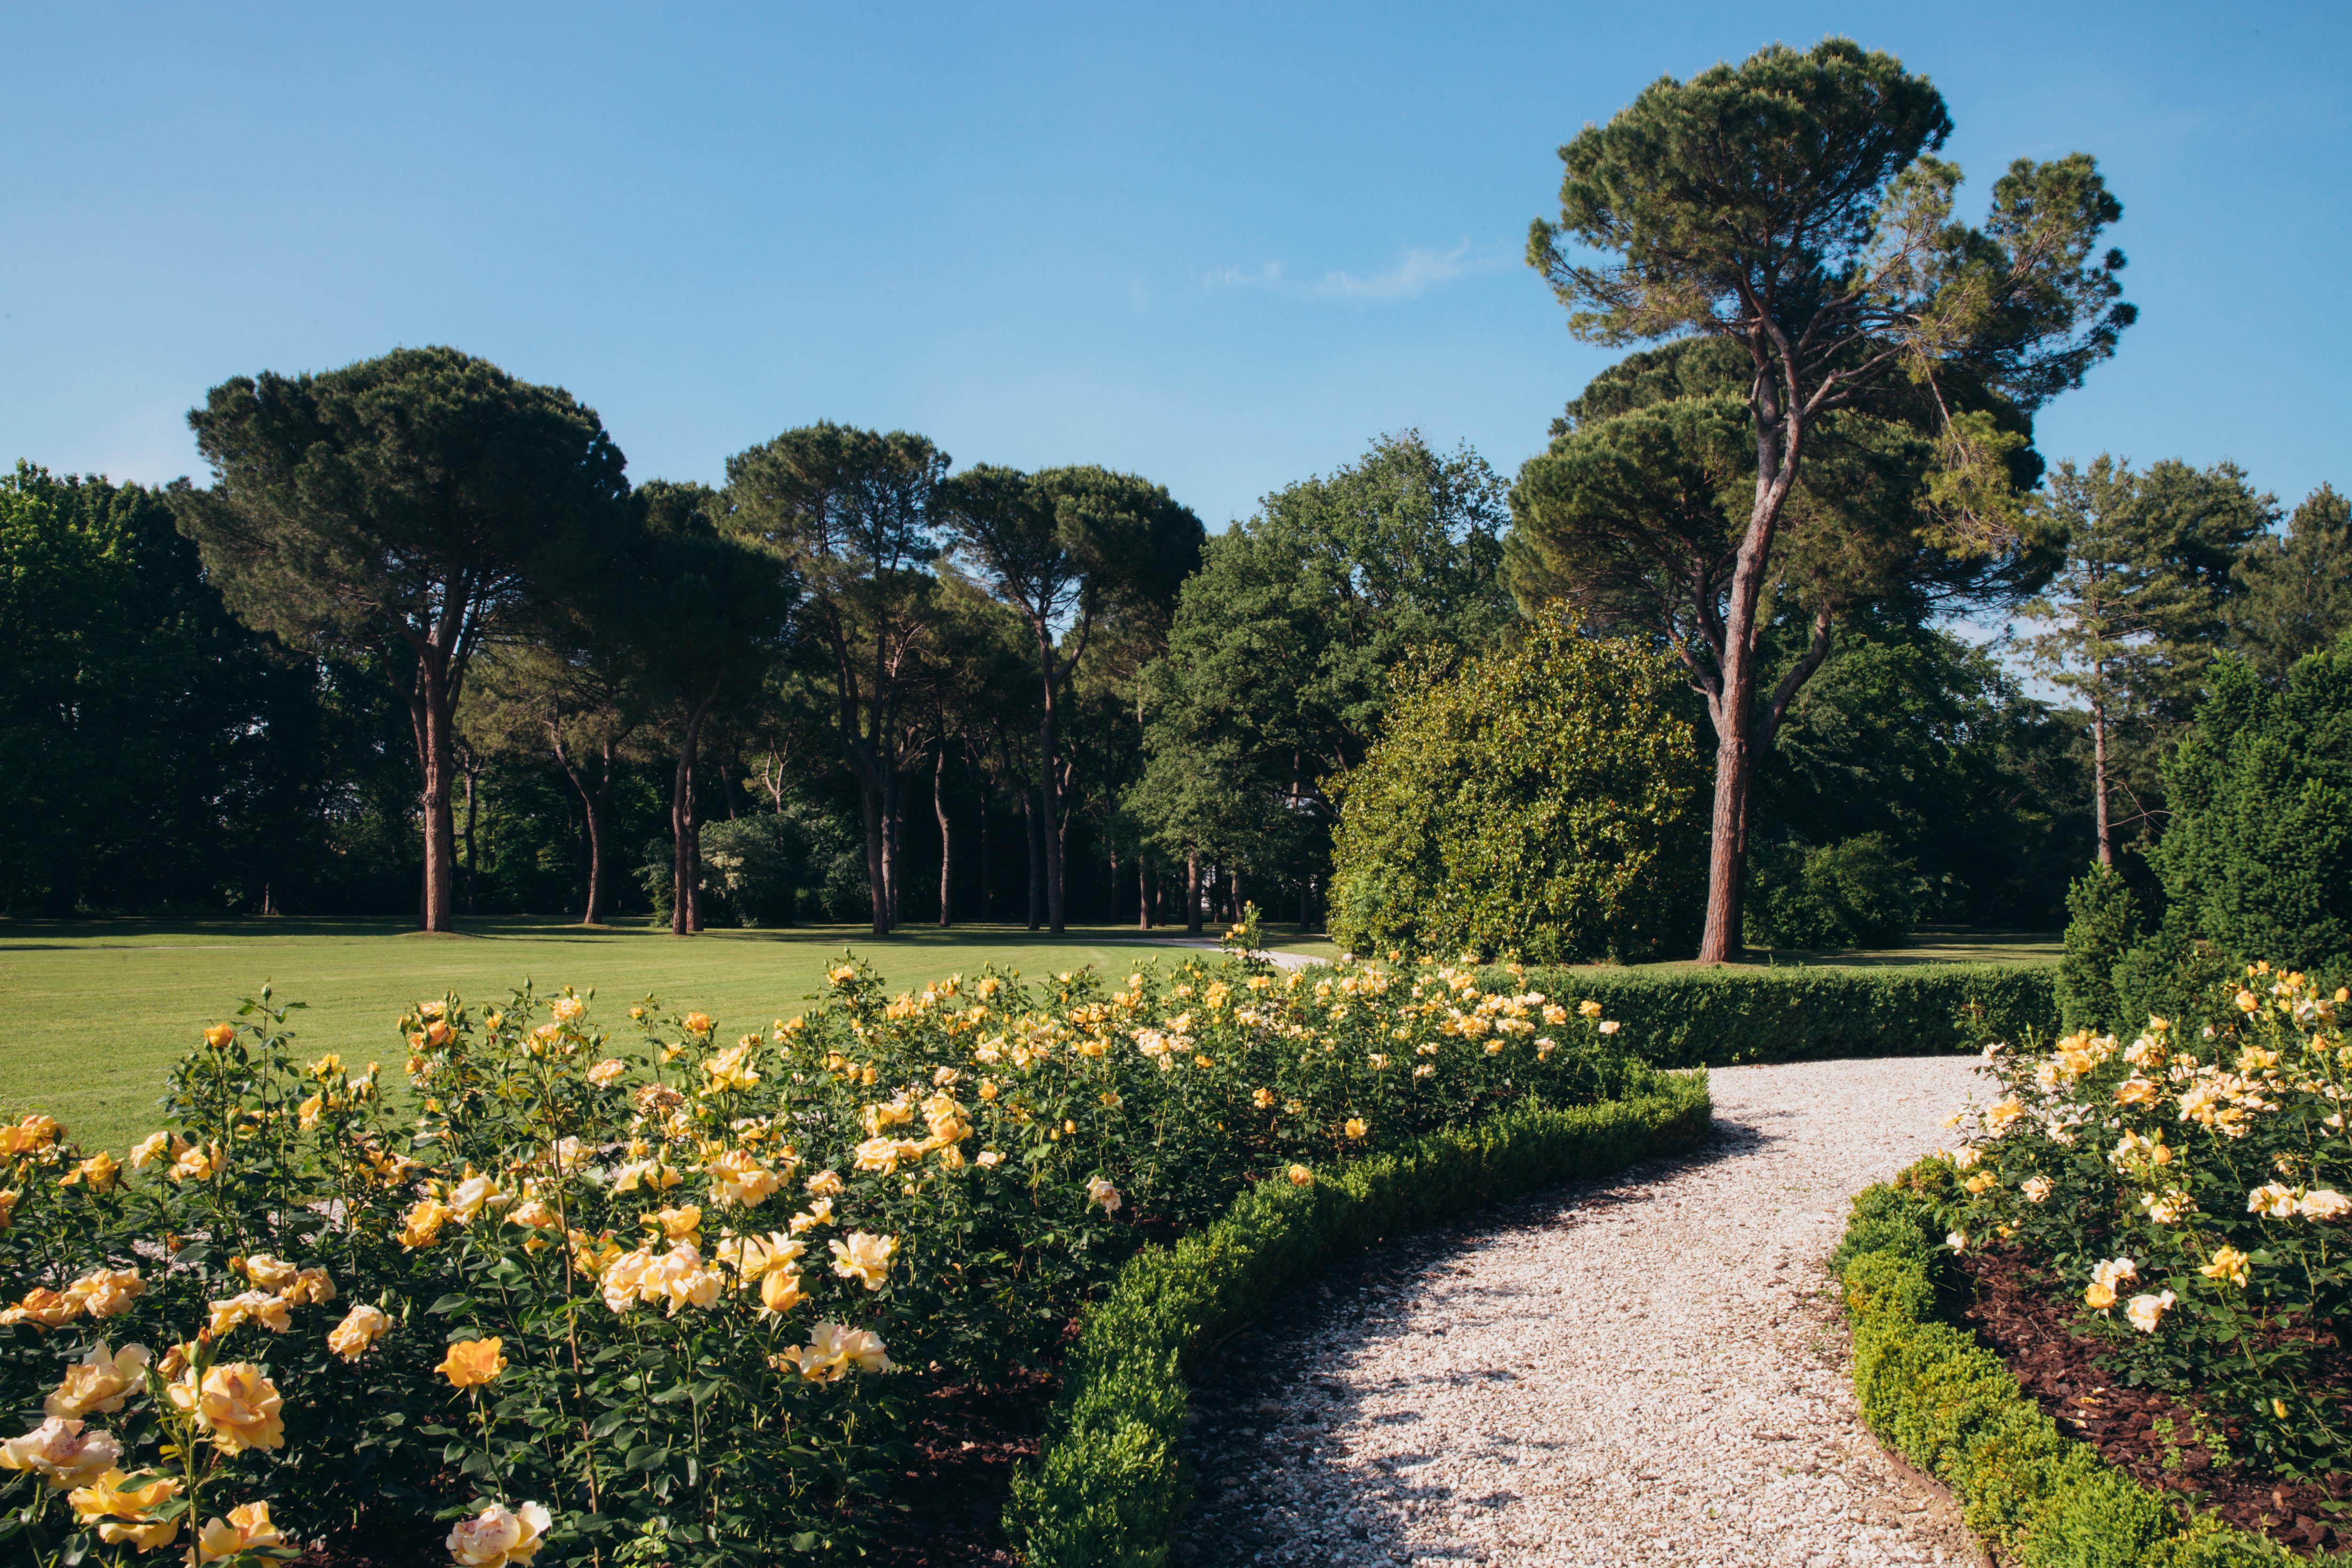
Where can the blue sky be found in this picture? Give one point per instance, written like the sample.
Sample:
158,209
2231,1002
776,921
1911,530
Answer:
1220,245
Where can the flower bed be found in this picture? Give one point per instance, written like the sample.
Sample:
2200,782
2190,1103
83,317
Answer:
2181,1195
661,1296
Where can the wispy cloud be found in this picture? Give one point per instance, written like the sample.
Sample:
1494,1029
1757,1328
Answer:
1416,272
1266,277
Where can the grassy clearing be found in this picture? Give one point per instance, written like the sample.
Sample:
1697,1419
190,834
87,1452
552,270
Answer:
96,1010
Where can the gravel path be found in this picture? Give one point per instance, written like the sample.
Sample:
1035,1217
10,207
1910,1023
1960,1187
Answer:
1651,1369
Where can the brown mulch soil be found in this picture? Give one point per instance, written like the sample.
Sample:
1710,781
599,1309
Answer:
966,1441
2015,1314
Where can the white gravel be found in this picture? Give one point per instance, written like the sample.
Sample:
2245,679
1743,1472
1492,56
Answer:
1650,1370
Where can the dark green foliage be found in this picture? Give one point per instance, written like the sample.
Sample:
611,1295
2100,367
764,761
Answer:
1723,1017
1857,893
2259,853
1108,1489
2295,590
1543,802
2105,925
1939,1399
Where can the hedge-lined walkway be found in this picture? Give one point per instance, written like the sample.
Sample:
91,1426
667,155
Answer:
1651,1369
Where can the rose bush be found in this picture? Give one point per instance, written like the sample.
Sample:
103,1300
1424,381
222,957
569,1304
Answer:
656,1294
2188,1189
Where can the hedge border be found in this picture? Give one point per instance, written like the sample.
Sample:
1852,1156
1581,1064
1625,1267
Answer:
2035,1497
1108,1487
1735,1015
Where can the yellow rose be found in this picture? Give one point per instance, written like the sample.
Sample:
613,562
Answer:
252,1306
472,1362
696,1023
240,1408
780,1291
247,1526
608,1072
2227,1264
1300,1176
824,1184
105,1292
98,1173
124,1513
61,1452
864,1257
1355,1128
99,1381
422,1225
498,1536
360,1327
218,1036
1099,1191
833,1348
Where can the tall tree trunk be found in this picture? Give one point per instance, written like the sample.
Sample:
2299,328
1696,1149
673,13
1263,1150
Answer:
947,839
472,765
1111,849
894,847
1030,811
987,862
1192,891
686,855
1143,890
435,717
1234,899
869,801
726,788
592,812
2099,781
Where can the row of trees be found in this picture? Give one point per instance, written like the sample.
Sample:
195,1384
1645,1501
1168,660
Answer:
1825,454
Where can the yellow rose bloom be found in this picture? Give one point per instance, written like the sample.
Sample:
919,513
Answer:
422,1225
247,1526
473,1362
240,1408
97,1173
105,1292
360,1328
61,1452
99,1381
498,1536
1355,1128
2228,1264
218,1036
608,1072
123,1513
42,1307
833,1348
696,1023
864,1257
1300,1176
780,1292
824,1184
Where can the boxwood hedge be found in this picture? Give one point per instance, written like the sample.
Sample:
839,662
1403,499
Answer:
1108,1489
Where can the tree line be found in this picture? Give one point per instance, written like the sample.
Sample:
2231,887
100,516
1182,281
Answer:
421,642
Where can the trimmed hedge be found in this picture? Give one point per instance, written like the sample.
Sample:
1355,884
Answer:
1107,1490
1727,1017
2034,1495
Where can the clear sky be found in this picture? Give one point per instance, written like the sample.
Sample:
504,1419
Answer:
1220,246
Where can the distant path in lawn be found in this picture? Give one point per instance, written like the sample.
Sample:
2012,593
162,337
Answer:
1650,1370
1279,959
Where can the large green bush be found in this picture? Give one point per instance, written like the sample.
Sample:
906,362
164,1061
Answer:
2259,852
1544,801
1679,1017
1855,893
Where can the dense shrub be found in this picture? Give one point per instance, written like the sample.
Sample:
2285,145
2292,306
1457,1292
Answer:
1109,1487
1544,801
1931,1393
2258,854
797,866
1678,1017
1855,893
592,1278
2190,1190
2103,924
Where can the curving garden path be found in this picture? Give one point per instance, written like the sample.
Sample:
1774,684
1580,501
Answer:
1650,1370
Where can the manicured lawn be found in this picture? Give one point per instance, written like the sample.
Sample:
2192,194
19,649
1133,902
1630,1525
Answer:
95,1011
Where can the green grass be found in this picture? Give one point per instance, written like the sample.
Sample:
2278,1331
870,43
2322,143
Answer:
96,1010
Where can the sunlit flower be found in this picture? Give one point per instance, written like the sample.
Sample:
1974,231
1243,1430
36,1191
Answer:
61,1452
2167,1207
97,1173
124,1514
1588,1009
780,1292
833,1348
608,1072
420,1226
246,1528
1355,1127
647,1173
2145,1312
865,1257
472,1362
218,1036
2324,1205
735,1177
498,1536
1300,1176
266,1273
99,1381
1957,1240
2037,1189
360,1328
2273,1199
240,1408
42,1307
824,1184
1609,1025
2227,1264
533,1213
818,1213
250,1307
2109,1278
105,1292
567,1009
696,1023
1100,1191
678,1277
154,1147
472,1195
196,1164
731,1068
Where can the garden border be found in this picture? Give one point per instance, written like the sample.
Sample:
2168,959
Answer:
1107,1490
2034,1495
